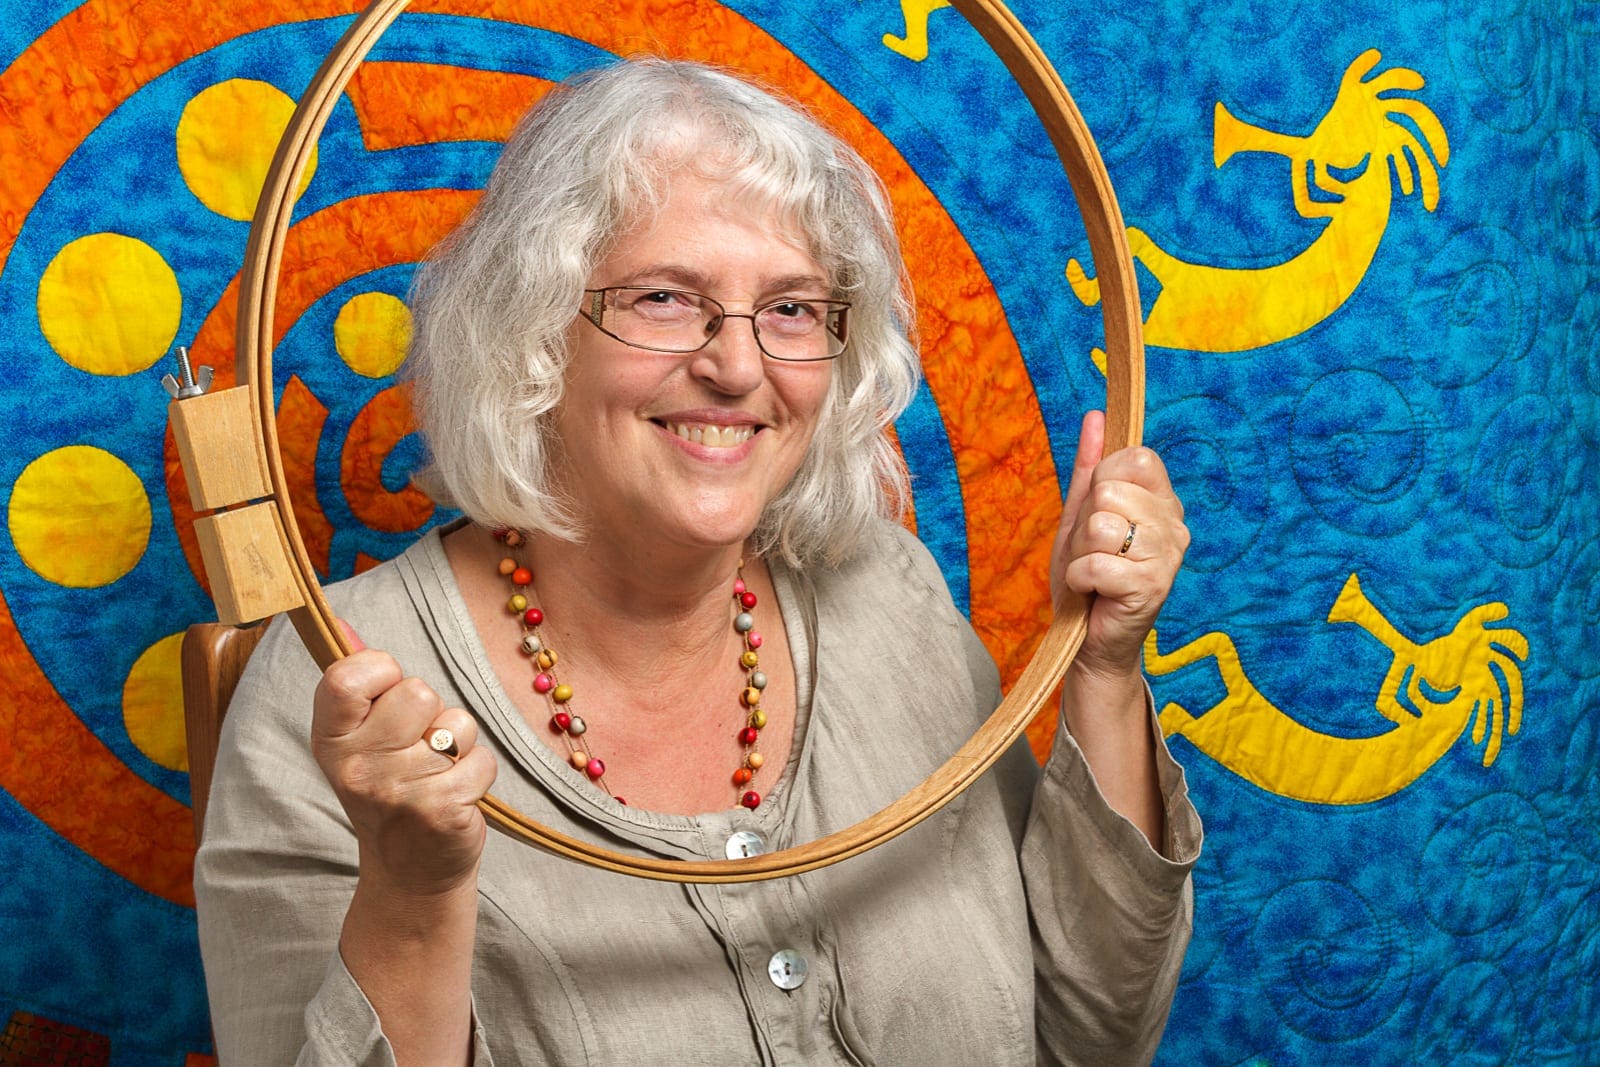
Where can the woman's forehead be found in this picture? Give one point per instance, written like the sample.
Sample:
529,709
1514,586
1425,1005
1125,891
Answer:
694,215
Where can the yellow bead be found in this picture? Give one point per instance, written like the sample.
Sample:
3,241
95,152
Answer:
561,694
580,760
758,718
751,696
508,565
749,658
517,604
546,659
755,760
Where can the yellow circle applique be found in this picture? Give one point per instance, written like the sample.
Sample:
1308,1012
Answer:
152,704
371,333
226,138
109,304
79,517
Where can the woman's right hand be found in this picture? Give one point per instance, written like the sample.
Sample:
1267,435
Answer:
414,809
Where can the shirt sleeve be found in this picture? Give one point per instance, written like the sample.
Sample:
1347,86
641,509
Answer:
273,880
1111,916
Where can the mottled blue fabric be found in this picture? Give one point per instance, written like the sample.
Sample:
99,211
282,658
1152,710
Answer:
1433,430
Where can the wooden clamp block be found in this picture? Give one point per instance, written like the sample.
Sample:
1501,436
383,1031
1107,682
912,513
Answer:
217,439
247,561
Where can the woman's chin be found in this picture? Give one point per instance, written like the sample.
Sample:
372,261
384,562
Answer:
717,536
706,529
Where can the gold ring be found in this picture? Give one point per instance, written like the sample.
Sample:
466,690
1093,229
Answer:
1127,542
443,742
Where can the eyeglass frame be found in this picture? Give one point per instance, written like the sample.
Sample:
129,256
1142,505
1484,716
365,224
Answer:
597,307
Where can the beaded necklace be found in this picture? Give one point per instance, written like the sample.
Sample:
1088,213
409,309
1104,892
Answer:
571,728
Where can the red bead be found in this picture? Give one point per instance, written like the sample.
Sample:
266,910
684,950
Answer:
748,735
543,683
556,727
533,616
499,533
522,576
561,720
594,769
619,800
742,776
751,800
752,639
747,599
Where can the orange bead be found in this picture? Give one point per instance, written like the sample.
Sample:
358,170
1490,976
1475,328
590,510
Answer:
742,777
751,696
521,576
580,760
755,760
508,565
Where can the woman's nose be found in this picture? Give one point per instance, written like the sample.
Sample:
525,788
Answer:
732,361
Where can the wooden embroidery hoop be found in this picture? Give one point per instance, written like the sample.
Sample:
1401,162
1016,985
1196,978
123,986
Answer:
258,565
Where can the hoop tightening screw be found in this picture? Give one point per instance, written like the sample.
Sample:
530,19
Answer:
187,384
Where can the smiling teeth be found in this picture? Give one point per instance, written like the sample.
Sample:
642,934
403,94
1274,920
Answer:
712,436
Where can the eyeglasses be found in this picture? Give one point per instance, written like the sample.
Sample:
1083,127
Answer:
680,322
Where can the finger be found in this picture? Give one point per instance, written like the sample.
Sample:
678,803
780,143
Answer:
1130,503
402,714
448,787
350,635
462,731
1091,448
1138,466
1152,545
344,696
1091,445
1130,583
473,774
1107,531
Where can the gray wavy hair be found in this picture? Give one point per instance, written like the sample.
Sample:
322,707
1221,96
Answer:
493,306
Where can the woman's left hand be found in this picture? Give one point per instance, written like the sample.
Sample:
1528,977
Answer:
1122,539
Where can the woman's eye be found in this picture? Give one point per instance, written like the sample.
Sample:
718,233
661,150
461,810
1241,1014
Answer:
662,304
797,311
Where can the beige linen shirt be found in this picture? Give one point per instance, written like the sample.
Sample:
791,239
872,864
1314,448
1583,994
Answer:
1026,922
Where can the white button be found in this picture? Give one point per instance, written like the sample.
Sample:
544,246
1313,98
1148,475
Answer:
744,844
787,969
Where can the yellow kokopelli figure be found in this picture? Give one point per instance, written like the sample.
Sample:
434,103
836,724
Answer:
1448,683
1221,309
914,45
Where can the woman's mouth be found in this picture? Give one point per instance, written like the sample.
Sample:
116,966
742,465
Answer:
711,435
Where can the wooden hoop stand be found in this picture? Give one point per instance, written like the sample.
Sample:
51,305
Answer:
258,565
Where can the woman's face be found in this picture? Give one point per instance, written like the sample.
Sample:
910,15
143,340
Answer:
688,450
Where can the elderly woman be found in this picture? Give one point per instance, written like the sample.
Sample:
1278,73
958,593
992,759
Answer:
655,370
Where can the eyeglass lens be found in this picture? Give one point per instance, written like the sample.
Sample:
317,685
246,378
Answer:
672,320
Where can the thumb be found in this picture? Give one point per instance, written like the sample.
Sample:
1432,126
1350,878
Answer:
350,635
1091,449
349,686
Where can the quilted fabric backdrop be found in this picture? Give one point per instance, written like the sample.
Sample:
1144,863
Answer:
1367,235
